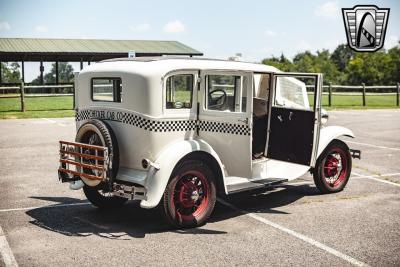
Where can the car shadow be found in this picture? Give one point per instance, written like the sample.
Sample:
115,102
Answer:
131,221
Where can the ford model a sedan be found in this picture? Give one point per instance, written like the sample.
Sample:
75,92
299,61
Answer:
175,133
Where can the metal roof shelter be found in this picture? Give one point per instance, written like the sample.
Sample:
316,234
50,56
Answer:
82,50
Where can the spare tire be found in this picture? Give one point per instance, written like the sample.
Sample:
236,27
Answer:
96,132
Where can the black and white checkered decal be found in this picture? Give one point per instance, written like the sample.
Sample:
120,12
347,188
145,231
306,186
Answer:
162,125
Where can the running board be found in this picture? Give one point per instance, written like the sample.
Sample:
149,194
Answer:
250,185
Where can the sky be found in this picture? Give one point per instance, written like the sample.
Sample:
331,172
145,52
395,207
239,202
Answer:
219,29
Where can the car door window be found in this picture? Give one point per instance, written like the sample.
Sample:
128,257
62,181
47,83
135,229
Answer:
227,93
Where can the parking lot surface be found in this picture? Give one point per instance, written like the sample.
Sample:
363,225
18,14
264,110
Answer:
46,224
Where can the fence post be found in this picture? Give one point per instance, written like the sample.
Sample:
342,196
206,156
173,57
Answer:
22,93
330,94
398,95
363,94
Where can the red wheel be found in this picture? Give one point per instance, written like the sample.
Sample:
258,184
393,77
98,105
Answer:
190,196
333,168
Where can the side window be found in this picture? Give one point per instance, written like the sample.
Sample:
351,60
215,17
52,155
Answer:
179,91
226,93
291,92
106,89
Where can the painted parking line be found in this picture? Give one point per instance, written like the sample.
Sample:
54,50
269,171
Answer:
45,207
371,145
297,235
6,252
54,122
376,177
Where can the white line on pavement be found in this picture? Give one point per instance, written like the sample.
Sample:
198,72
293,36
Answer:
6,252
53,121
46,207
375,177
297,235
365,144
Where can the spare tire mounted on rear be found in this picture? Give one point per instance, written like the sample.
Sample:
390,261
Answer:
96,132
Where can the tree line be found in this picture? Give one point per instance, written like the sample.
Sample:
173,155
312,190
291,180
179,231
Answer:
342,66
345,66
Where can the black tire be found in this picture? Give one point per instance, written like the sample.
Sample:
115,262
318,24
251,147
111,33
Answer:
100,197
192,178
333,168
106,138
97,192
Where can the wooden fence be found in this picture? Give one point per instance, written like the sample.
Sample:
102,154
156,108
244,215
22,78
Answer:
330,90
20,91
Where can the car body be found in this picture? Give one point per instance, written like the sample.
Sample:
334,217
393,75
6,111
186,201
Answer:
248,125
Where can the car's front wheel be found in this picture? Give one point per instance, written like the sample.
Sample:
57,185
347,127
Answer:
190,195
333,168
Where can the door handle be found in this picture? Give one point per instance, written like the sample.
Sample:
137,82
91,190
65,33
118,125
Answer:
244,120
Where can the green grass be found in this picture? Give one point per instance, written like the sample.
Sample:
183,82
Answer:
36,107
61,106
355,101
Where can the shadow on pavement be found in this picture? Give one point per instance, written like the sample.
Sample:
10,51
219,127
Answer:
131,221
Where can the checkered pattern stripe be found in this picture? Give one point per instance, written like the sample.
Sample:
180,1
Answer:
165,125
219,127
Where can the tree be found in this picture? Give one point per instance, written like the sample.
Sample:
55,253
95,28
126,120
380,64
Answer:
65,74
281,63
341,56
10,72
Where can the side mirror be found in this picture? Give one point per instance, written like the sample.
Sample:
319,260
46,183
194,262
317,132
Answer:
324,116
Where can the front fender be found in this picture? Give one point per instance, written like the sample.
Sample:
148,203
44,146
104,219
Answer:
157,181
327,134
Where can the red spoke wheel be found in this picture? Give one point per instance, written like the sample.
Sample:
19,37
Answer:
190,196
333,168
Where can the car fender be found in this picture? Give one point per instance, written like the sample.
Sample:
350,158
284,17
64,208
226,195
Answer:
161,169
327,134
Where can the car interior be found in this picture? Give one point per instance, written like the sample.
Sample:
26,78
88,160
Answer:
260,113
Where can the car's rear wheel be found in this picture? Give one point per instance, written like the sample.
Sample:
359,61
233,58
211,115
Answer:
190,196
96,132
333,168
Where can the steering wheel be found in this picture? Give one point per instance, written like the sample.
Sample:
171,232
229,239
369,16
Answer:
215,102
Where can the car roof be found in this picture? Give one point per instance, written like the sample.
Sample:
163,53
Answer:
159,66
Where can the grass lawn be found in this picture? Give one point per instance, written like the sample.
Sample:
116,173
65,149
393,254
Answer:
355,101
61,106
36,107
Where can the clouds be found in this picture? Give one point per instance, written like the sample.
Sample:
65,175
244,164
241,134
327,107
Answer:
143,27
41,28
175,26
270,33
327,10
4,26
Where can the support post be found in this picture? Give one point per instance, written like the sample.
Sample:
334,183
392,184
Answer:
1,73
81,64
363,94
41,72
23,71
398,95
330,94
57,79
88,62
22,93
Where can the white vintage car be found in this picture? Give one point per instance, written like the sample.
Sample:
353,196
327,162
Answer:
177,132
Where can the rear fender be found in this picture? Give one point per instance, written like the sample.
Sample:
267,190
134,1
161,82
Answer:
329,133
158,177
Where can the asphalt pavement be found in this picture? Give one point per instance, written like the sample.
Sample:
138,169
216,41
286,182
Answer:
46,224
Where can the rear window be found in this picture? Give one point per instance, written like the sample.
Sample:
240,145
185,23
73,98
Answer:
106,89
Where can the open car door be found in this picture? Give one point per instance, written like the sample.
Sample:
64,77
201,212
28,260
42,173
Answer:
294,118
